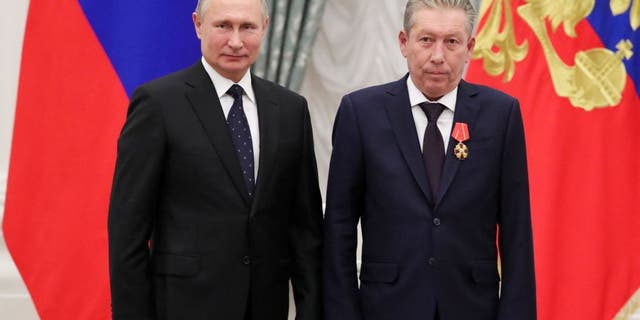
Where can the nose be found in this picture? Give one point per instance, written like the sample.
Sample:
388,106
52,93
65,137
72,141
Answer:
235,41
437,53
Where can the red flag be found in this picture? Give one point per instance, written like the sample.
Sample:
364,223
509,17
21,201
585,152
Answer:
572,66
69,111
79,61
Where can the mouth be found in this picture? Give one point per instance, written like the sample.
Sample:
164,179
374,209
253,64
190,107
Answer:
436,76
234,56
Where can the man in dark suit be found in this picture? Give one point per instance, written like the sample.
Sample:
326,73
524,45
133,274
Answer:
215,202
430,214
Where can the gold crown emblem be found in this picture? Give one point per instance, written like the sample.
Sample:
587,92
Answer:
598,77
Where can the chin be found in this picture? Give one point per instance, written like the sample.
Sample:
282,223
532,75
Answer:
436,87
234,68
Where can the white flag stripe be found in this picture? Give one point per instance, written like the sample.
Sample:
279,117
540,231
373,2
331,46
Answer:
15,302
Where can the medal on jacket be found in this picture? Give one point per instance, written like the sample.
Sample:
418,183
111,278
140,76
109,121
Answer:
461,134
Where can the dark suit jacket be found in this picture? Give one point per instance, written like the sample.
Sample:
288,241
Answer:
185,240
417,251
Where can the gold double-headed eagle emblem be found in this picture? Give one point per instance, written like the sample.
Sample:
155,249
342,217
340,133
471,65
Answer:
598,76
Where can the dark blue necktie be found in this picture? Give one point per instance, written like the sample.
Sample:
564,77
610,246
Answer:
241,137
432,146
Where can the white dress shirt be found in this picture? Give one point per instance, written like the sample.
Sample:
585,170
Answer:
249,105
445,121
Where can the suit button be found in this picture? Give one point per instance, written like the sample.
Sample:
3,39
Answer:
246,260
432,261
436,222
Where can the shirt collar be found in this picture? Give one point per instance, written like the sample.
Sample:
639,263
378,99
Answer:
223,84
416,97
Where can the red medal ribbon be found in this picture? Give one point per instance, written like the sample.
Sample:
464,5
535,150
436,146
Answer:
461,132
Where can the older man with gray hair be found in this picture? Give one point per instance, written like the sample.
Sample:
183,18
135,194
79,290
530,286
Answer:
434,168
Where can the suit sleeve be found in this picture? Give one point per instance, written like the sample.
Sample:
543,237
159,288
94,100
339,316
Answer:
518,292
131,210
344,205
306,233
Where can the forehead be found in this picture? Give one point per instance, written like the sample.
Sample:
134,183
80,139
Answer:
250,10
445,21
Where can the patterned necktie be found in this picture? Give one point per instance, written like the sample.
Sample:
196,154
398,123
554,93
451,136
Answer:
432,146
241,137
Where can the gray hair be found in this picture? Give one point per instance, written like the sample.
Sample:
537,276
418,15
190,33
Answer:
201,4
415,5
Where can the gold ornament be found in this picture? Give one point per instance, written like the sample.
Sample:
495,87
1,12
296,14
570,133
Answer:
461,151
598,76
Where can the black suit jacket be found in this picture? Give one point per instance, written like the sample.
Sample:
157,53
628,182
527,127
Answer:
419,252
185,240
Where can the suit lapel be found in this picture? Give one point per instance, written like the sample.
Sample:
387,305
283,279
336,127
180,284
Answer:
268,112
399,111
466,111
202,95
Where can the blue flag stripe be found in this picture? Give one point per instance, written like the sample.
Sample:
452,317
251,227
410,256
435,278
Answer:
144,39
